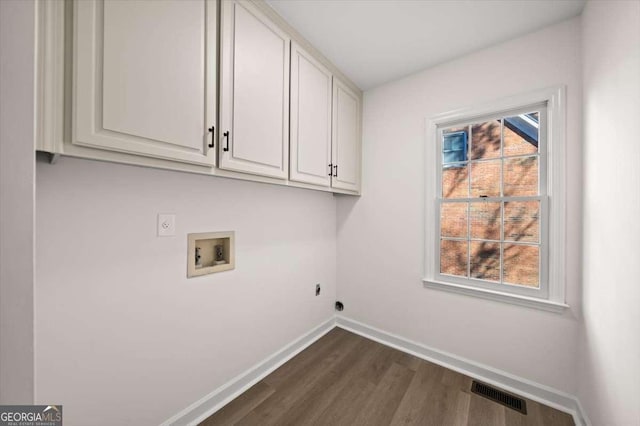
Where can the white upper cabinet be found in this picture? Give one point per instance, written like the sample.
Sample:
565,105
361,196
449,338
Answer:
310,119
145,77
346,138
254,102
218,87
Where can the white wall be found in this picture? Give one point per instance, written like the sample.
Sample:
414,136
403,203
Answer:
381,235
123,337
17,190
609,379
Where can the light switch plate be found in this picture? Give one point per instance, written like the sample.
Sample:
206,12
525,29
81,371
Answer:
166,225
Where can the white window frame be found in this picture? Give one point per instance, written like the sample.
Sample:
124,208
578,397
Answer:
551,294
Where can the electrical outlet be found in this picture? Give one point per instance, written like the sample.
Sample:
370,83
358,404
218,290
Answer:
317,289
166,225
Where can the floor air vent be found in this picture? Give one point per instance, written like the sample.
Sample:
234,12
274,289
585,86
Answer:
496,395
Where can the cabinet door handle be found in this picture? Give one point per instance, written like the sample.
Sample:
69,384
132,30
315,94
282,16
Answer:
330,169
212,130
226,137
336,171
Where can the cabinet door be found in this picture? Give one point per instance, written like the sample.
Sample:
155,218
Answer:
145,77
254,99
346,138
310,119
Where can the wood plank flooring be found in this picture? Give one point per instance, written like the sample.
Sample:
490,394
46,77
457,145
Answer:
346,379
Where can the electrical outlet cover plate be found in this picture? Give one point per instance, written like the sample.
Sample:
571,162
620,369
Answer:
166,225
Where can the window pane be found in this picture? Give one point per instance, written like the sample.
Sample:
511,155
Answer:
486,140
521,176
521,265
521,134
522,221
455,181
485,221
454,147
453,257
485,260
485,179
453,220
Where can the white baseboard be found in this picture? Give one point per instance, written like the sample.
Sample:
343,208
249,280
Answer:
534,391
581,415
217,399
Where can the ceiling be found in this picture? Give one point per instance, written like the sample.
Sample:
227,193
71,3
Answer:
375,41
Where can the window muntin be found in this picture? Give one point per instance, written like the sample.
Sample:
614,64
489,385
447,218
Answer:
492,203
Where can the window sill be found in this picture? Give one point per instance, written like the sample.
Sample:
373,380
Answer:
530,302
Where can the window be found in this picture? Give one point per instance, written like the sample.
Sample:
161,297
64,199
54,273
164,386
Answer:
495,216
454,147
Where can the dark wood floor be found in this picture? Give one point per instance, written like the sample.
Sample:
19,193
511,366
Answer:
345,379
